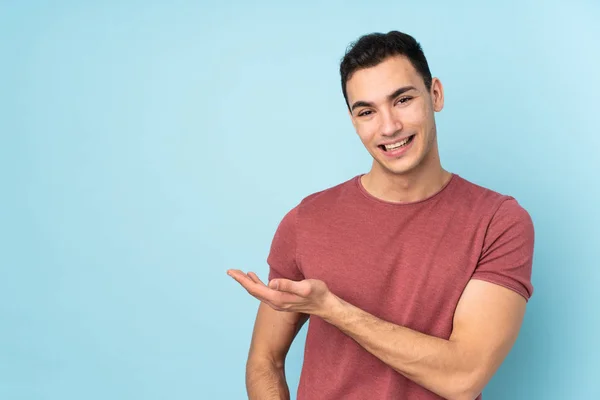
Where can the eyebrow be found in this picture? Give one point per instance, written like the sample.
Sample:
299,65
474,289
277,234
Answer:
396,93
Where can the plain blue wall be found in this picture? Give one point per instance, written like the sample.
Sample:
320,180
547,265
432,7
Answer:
146,147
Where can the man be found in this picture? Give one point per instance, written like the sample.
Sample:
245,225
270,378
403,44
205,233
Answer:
415,280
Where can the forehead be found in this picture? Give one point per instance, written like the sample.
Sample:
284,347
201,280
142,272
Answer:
375,83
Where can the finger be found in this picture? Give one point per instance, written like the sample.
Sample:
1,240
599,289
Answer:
255,278
260,290
246,282
238,275
232,272
301,288
277,299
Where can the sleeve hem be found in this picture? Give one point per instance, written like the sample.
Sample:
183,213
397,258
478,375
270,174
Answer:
523,292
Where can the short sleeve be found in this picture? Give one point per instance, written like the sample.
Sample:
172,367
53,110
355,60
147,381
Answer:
282,256
507,255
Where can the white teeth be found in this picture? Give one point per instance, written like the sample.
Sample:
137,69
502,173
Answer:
396,145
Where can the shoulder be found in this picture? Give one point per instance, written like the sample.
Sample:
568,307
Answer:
472,193
326,199
317,204
498,212
483,200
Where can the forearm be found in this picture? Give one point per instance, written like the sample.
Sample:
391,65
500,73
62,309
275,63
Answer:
437,364
266,381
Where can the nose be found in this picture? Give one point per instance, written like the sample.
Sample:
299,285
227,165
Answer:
390,123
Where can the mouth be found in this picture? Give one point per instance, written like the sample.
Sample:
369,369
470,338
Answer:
397,145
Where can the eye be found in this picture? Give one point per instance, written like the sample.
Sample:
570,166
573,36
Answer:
403,100
365,113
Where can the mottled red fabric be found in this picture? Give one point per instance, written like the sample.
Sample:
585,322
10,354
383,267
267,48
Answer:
407,263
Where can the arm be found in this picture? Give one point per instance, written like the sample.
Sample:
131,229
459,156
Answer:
274,330
486,321
273,334
486,325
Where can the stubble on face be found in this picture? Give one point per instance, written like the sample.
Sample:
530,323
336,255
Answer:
381,117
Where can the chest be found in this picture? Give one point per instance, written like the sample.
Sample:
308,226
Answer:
408,269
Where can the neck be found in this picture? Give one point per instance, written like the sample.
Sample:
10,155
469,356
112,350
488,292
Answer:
417,184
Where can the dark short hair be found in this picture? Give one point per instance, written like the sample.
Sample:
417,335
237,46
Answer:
372,49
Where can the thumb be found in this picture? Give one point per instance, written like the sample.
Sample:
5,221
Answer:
274,284
286,285
283,285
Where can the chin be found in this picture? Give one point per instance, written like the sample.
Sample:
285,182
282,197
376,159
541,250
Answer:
407,164
401,171
399,168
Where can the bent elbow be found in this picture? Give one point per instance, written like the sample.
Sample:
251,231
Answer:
465,396
468,388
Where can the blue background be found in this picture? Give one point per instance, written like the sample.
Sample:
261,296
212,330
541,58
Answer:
146,147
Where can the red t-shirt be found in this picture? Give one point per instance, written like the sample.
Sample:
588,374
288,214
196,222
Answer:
406,263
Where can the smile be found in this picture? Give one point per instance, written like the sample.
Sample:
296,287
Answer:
394,146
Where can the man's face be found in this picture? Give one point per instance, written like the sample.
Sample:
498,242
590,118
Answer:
393,113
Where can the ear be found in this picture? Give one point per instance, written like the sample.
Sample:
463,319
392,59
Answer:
437,94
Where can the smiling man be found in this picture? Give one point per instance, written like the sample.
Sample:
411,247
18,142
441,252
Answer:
415,280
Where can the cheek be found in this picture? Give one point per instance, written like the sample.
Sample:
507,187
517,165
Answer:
366,131
416,118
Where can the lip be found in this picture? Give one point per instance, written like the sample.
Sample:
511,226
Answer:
395,140
397,152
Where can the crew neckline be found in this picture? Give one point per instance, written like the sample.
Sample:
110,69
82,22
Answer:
369,196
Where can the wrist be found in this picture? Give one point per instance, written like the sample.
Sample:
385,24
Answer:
332,306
